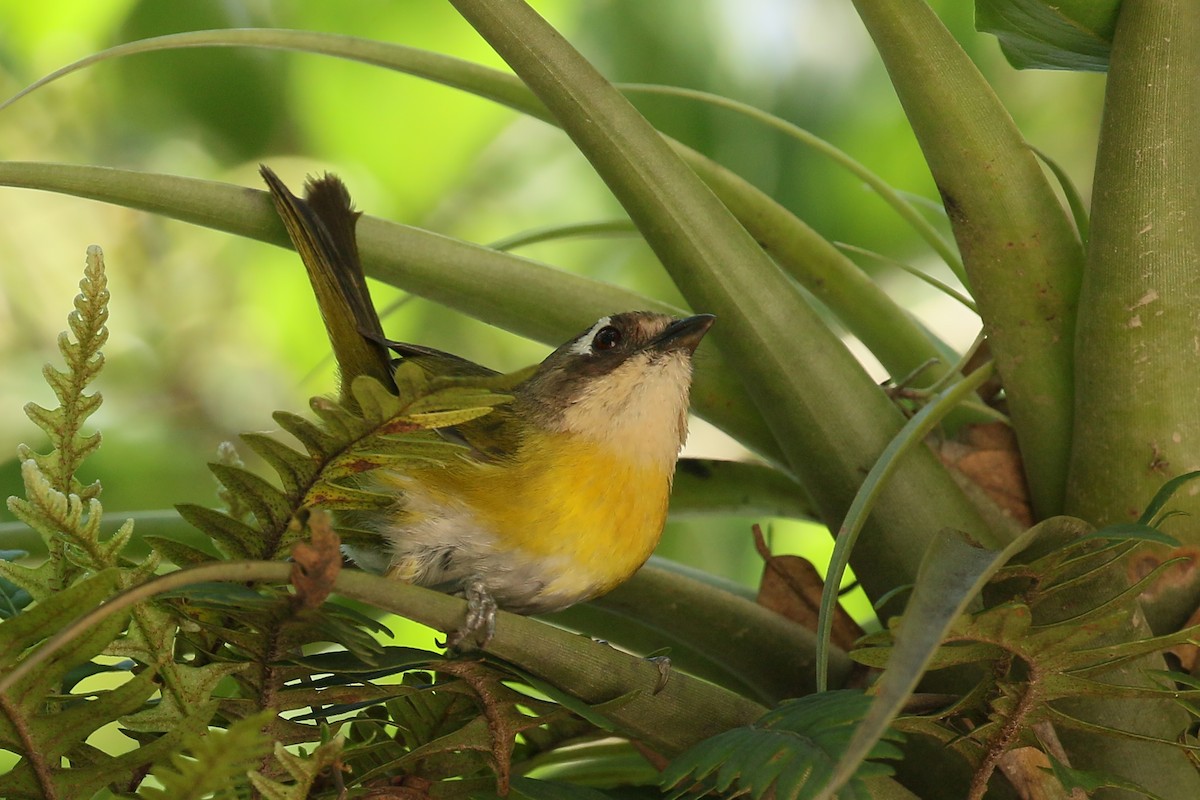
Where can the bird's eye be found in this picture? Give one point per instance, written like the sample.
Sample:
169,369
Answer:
606,338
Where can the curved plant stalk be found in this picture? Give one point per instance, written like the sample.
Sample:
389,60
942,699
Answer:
667,719
492,84
704,487
896,200
911,436
724,636
1020,250
1075,201
789,360
612,227
893,337
919,274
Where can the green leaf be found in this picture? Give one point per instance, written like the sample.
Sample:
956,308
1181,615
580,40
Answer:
790,752
42,733
1136,531
303,769
216,763
270,506
953,571
1089,781
1078,206
13,599
293,468
235,538
1164,494
52,614
1051,34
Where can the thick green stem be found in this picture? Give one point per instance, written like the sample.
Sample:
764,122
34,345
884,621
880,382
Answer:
1018,244
1137,419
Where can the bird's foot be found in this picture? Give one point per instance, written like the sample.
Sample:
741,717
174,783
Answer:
480,625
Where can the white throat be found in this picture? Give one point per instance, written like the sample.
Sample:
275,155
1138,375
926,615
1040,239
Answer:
640,410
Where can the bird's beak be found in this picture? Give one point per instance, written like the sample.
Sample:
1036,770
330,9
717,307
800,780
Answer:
684,334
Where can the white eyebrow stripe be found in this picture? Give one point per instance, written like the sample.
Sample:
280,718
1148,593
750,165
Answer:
583,347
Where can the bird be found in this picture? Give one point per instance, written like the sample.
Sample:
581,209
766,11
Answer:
562,493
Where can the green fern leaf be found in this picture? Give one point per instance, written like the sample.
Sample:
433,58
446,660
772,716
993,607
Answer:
52,614
376,403
447,419
295,470
380,430
343,498
339,421
790,752
13,598
315,441
215,764
38,582
178,553
84,362
303,770
355,463
270,506
42,733
235,538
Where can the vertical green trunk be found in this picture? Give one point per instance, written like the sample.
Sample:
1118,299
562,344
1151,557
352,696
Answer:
1138,343
1137,419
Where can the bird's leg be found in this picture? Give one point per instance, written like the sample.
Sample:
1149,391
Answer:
480,625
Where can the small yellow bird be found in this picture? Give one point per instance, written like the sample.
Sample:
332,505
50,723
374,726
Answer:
565,492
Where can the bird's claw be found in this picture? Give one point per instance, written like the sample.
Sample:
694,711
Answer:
480,625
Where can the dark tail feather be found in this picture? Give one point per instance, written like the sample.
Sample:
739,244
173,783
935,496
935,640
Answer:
321,228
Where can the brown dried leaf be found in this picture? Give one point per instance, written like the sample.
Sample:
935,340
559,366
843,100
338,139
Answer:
791,587
988,457
317,562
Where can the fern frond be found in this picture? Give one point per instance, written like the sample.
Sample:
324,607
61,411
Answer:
83,361
13,598
790,752
1037,657
381,430
304,770
215,764
43,734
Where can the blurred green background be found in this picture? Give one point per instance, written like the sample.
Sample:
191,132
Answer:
210,334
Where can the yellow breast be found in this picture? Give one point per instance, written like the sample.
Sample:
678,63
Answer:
601,511
568,520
